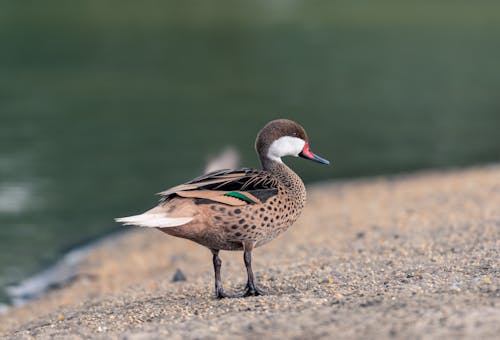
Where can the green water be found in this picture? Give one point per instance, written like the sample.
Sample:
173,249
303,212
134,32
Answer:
103,104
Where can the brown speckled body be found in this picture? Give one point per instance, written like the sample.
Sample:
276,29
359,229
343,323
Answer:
219,226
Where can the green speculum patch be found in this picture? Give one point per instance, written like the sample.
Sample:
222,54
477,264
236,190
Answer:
240,196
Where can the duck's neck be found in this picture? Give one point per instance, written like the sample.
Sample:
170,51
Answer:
284,174
273,166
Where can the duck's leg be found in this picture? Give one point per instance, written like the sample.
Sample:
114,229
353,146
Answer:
251,289
219,292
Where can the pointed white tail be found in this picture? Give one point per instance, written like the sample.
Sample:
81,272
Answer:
154,220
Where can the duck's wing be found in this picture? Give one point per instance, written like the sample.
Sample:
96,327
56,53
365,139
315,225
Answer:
231,187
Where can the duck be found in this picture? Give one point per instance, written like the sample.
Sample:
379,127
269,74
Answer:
238,209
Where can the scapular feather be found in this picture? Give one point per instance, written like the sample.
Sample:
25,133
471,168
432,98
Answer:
233,187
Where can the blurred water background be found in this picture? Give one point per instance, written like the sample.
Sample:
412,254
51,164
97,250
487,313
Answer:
104,103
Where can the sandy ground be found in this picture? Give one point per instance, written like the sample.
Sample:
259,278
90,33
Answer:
412,257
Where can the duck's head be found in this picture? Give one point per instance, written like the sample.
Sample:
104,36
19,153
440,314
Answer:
284,137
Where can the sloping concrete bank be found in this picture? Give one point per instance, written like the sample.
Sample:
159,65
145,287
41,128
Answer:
413,256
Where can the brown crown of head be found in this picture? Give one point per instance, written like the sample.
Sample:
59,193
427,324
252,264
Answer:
276,129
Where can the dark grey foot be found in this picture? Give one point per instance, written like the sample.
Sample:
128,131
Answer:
249,291
254,291
251,288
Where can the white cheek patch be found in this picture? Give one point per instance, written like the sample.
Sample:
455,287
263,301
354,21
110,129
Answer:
285,146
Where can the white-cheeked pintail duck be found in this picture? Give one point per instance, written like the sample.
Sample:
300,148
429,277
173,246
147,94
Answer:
238,209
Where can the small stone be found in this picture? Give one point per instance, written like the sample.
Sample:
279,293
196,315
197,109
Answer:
487,279
60,317
328,280
178,276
